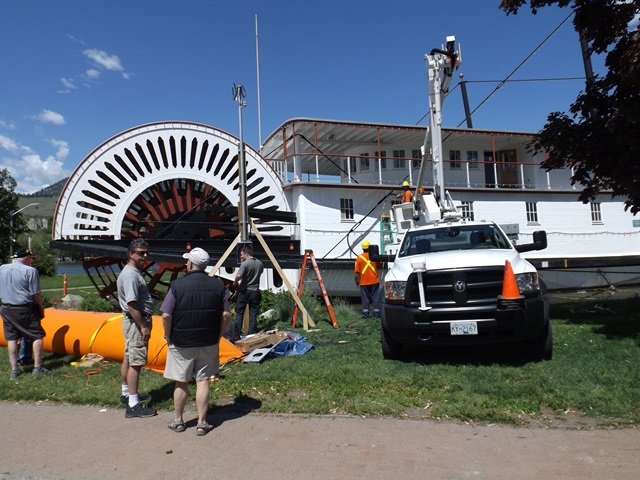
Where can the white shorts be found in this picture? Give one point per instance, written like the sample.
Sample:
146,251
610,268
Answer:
185,363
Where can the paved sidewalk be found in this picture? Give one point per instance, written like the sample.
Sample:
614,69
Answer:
44,441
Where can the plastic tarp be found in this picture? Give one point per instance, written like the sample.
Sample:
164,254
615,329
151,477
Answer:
294,344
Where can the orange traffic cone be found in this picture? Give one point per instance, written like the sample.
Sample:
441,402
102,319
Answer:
510,289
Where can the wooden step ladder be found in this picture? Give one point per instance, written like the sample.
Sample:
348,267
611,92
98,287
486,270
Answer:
308,256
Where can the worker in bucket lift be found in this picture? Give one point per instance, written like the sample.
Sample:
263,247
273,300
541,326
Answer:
366,277
406,196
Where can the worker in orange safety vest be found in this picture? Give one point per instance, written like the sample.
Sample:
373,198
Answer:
406,196
366,277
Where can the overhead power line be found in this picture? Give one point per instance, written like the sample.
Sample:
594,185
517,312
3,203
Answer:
526,59
552,79
508,77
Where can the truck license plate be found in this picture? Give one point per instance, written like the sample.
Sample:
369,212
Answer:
464,328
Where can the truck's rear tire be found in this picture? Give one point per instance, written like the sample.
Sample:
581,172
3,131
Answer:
391,350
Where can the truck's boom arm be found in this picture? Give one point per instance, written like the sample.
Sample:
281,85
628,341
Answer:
441,64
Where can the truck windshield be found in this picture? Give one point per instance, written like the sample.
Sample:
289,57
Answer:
446,238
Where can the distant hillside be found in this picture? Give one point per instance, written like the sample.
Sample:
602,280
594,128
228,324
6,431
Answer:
53,190
45,208
45,201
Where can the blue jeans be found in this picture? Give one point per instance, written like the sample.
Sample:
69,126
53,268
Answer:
369,295
25,354
252,298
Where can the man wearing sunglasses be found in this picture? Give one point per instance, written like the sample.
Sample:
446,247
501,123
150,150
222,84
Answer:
137,306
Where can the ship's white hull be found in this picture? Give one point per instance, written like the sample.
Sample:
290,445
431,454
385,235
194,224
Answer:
581,278
338,209
339,280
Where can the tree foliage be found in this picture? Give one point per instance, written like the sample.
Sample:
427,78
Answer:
8,205
45,256
600,137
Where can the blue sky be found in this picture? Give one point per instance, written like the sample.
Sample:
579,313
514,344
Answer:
75,73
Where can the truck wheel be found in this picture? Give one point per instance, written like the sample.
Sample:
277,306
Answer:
541,347
391,350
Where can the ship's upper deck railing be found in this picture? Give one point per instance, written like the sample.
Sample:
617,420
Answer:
471,172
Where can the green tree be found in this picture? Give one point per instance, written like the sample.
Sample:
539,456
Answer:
45,264
600,137
8,205
45,256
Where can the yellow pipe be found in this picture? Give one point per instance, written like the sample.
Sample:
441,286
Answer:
76,333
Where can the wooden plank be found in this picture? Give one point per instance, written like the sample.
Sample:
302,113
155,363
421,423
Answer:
306,318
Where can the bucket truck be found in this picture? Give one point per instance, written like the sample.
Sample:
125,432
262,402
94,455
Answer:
453,281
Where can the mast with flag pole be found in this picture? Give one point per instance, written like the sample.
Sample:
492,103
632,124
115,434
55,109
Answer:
239,97
258,89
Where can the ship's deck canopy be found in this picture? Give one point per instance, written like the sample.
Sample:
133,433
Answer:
320,147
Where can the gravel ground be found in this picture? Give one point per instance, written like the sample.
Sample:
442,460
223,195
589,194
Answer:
42,441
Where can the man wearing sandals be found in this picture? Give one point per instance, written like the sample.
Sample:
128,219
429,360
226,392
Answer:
194,315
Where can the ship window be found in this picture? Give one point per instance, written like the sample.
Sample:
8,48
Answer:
353,164
398,158
417,157
596,214
472,158
346,209
454,160
532,212
364,161
383,158
466,209
277,279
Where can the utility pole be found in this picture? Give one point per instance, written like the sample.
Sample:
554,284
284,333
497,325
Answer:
465,102
588,69
239,97
586,60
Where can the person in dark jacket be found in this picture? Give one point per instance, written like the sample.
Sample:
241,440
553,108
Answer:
194,314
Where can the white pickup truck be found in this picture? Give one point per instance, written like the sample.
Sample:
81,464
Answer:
455,281
459,282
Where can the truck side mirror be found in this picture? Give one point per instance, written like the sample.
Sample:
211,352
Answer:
540,239
539,242
375,256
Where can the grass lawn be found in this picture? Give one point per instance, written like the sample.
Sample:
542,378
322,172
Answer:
593,379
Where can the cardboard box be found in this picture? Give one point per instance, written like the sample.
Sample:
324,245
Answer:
260,340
